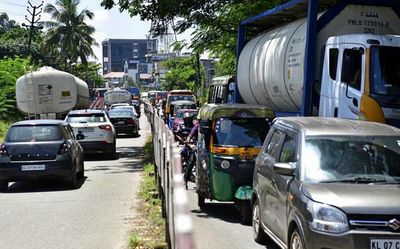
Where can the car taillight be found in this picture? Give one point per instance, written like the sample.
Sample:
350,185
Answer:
106,127
130,121
3,150
64,148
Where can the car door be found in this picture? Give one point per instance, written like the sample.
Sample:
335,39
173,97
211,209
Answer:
351,81
280,185
264,171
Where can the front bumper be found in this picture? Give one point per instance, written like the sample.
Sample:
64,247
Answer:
353,239
61,167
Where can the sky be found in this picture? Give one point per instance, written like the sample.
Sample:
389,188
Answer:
108,23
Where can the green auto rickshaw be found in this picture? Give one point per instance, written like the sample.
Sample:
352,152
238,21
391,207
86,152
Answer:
230,137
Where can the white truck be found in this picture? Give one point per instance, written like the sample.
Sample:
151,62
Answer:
349,68
117,95
50,93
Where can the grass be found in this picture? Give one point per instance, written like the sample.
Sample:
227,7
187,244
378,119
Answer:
150,234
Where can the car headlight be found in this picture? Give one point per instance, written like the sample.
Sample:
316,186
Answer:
225,164
327,218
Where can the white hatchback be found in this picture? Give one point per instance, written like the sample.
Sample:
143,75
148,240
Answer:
99,132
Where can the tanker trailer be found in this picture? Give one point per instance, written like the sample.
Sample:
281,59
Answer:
50,93
354,64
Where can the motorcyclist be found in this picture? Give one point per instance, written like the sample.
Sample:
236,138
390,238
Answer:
184,129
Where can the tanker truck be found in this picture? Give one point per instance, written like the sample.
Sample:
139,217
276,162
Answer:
50,93
343,62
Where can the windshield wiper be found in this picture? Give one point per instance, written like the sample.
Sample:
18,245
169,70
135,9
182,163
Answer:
356,180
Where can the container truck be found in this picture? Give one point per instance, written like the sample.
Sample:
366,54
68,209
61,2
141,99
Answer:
50,93
343,62
117,95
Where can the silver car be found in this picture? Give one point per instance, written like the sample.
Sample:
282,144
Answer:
328,183
99,133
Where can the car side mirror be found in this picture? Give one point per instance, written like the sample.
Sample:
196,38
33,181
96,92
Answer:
80,136
286,169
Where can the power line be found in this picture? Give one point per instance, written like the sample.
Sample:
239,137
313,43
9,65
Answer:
12,12
14,4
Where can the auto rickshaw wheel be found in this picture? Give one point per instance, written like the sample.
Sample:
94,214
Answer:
245,212
201,201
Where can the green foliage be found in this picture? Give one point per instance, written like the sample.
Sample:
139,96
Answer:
10,71
90,73
181,75
3,129
149,150
68,33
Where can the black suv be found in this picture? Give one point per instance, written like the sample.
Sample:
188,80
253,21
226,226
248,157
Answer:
328,183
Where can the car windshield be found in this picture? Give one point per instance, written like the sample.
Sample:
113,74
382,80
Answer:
180,114
181,97
240,132
120,113
86,118
385,73
351,159
30,133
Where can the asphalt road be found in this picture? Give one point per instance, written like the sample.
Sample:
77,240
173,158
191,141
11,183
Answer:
218,226
97,215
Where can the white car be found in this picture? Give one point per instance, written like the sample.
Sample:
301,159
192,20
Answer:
118,105
99,133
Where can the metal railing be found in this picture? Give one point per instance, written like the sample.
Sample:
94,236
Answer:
171,187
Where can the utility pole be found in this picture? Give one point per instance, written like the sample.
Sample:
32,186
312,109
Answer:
32,23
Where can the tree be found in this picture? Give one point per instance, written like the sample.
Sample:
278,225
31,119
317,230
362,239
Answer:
10,71
6,24
68,33
89,73
181,74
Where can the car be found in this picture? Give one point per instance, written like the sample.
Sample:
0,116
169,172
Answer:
99,133
118,104
124,121
133,109
328,183
35,149
179,117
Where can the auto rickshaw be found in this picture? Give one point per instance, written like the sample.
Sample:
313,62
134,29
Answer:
230,138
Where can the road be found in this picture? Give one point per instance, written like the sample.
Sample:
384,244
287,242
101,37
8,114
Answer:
218,226
98,214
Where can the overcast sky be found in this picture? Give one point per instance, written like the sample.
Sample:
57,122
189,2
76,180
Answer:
108,23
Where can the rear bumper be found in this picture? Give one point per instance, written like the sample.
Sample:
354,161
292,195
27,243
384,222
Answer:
97,147
62,167
129,129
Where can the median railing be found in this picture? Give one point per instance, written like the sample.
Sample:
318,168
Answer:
171,187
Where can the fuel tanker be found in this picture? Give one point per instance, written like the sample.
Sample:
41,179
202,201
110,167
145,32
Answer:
349,68
50,93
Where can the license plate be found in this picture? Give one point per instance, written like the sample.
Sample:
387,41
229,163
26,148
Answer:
120,122
385,244
86,129
33,167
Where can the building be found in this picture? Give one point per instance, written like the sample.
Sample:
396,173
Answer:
117,52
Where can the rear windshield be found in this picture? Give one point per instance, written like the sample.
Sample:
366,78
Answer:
86,118
30,133
120,113
181,97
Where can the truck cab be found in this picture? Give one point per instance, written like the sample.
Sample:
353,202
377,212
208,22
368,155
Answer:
361,78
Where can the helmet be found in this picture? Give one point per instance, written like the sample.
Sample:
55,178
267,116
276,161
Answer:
187,119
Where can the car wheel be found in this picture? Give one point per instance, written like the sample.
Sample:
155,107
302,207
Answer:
73,181
81,173
258,233
201,201
296,242
3,185
245,212
113,154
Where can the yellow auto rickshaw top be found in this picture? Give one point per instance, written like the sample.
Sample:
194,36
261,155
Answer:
214,111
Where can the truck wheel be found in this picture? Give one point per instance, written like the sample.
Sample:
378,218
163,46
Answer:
3,185
245,212
258,233
201,201
296,241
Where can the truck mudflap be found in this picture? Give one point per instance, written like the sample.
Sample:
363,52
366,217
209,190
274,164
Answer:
244,193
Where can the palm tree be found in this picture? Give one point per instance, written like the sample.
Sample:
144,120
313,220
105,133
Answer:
68,33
